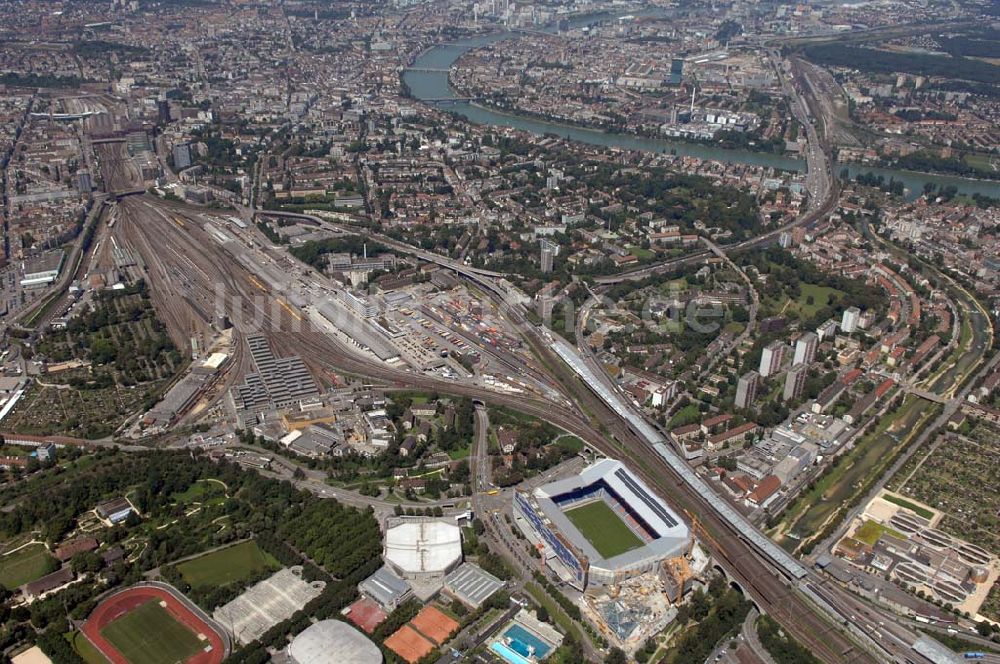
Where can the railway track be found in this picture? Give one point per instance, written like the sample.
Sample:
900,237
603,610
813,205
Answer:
591,419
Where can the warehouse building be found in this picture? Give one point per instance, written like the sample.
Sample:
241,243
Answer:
471,585
42,270
279,382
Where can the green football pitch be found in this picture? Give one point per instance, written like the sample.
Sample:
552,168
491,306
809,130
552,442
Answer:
149,635
603,529
25,565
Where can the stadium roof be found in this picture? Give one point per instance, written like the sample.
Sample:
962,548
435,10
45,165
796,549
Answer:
423,546
672,534
333,642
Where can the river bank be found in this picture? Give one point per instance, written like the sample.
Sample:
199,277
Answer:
424,85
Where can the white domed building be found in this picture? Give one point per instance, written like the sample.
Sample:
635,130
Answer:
333,642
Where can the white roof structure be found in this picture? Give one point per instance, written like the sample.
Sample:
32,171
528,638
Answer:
215,360
423,547
333,642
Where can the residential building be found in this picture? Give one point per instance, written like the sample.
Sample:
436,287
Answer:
805,348
746,389
795,382
549,251
850,320
771,358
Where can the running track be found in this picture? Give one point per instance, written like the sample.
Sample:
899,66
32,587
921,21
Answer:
120,603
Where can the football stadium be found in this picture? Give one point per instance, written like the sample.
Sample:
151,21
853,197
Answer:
600,527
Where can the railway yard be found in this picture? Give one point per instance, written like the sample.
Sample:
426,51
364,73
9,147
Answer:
312,329
188,267
203,269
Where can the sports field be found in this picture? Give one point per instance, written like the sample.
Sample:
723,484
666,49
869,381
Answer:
225,566
149,635
25,565
604,529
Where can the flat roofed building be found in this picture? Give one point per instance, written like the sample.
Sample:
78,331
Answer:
746,389
795,382
471,585
805,348
42,270
386,588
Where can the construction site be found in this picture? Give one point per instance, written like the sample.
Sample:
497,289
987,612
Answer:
630,612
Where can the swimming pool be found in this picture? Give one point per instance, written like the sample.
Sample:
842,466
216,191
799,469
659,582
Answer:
525,643
507,654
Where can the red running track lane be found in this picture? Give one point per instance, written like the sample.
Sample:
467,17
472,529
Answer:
121,603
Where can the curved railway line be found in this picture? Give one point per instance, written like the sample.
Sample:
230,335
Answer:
184,259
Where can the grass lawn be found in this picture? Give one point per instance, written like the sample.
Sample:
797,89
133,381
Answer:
200,491
689,414
921,511
85,649
819,295
870,531
150,635
570,442
460,453
555,611
980,162
603,529
226,566
675,286
24,566
640,253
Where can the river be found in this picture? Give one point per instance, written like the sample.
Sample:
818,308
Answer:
434,85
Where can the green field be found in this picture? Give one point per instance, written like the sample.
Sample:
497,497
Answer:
460,453
25,565
640,253
980,162
203,491
85,649
689,414
603,529
871,531
819,294
150,635
226,566
917,509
